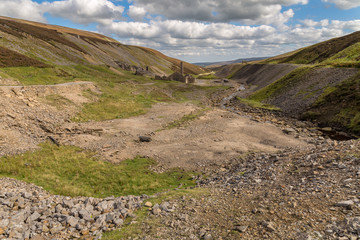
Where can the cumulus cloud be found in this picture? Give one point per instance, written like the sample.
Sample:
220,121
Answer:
195,41
257,12
176,29
344,4
85,11
24,9
136,13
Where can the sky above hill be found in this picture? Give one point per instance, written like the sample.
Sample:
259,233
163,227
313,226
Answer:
200,30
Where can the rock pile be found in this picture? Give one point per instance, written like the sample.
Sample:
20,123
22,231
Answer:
29,212
291,194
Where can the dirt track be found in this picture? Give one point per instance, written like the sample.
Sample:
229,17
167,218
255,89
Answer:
211,139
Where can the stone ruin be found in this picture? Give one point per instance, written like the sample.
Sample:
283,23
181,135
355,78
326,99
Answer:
176,76
138,70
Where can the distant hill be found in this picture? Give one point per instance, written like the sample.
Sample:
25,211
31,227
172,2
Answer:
38,44
320,83
240,60
339,52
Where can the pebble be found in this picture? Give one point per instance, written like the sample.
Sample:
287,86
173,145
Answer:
269,226
148,204
241,229
346,204
208,237
145,139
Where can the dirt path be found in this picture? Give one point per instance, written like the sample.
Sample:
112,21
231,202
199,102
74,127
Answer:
212,139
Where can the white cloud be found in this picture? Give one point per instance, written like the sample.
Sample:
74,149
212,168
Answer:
259,12
175,29
136,13
194,41
24,9
345,4
85,11
312,23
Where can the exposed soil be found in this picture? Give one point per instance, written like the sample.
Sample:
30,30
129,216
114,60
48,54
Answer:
26,119
211,139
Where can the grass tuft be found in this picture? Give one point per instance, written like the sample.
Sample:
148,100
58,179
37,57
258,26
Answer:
57,101
186,119
256,104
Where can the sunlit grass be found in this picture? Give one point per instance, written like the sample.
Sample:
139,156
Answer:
72,171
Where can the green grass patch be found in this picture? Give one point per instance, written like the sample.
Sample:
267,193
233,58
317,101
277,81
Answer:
207,76
349,57
326,92
186,119
339,106
115,102
36,75
72,171
350,118
308,93
355,122
256,104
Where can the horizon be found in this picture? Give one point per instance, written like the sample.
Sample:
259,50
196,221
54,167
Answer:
200,31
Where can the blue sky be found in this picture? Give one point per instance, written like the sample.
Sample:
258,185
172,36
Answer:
200,30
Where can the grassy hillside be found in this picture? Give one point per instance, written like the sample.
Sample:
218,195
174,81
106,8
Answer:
9,58
324,87
342,51
329,96
339,106
188,68
55,45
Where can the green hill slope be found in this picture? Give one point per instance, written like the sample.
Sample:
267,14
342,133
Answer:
342,51
55,45
322,86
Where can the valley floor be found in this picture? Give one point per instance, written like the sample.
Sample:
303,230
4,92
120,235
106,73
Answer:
259,175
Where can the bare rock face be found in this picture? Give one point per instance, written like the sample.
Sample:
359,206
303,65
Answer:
29,212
